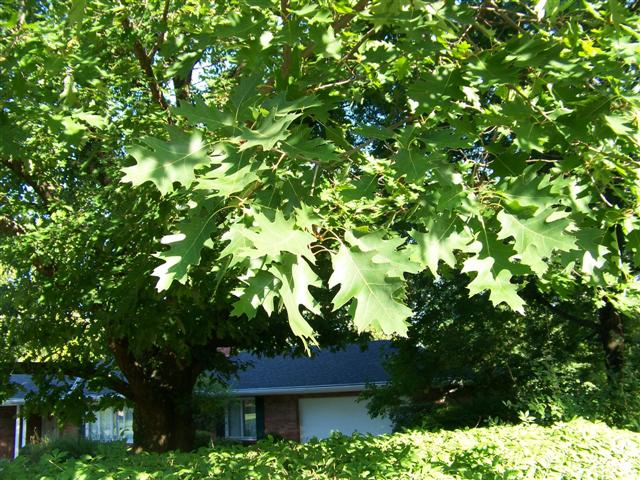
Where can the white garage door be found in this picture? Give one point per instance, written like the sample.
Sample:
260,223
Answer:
320,416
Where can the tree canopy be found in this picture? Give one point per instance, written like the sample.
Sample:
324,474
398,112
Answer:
182,176
393,137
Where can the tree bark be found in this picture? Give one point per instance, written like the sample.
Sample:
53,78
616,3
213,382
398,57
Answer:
162,398
611,333
164,422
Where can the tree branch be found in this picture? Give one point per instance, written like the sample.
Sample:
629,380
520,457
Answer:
87,372
146,63
163,32
344,20
9,227
531,291
44,191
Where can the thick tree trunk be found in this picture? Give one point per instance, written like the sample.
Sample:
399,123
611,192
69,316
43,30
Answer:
611,334
164,422
163,399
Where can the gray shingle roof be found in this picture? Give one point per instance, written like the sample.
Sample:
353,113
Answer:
325,371
342,370
24,384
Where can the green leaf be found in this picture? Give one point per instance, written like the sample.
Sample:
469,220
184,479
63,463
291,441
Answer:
91,119
387,251
375,292
296,277
267,238
439,243
166,163
633,238
245,95
536,238
226,182
494,267
592,249
280,235
331,45
617,124
299,145
76,13
363,188
211,117
411,163
239,246
273,129
530,189
190,236
530,136
259,290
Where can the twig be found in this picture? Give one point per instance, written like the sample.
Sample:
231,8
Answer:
338,25
357,45
330,85
505,17
286,50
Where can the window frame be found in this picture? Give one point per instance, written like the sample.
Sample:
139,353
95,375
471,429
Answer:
108,416
227,412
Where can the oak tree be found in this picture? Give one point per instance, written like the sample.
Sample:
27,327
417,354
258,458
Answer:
180,176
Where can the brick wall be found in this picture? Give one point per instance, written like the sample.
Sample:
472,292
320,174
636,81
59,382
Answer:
7,431
51,430
281,416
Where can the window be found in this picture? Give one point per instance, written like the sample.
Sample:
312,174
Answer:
111,425
241,419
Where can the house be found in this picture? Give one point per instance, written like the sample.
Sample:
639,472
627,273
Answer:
16,429
305,397
296,398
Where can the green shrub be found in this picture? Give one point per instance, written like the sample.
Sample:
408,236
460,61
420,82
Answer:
203,439
561,392
578,449
70,448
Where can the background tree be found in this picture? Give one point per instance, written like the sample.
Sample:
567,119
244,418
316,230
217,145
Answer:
465,362
274,155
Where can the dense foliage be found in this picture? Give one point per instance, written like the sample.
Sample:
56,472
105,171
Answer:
576,450
388,137
465,362
269,162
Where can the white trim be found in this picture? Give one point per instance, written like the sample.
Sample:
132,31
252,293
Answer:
24,431
303,389
16,434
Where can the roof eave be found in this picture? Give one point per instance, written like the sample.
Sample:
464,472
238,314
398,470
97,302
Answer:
302,389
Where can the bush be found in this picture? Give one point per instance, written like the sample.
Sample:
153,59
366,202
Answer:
69,448
203,439
578,449
561,392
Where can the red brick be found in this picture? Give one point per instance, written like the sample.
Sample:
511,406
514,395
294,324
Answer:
281,416
7,431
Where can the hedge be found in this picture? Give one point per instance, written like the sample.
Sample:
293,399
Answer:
577,449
